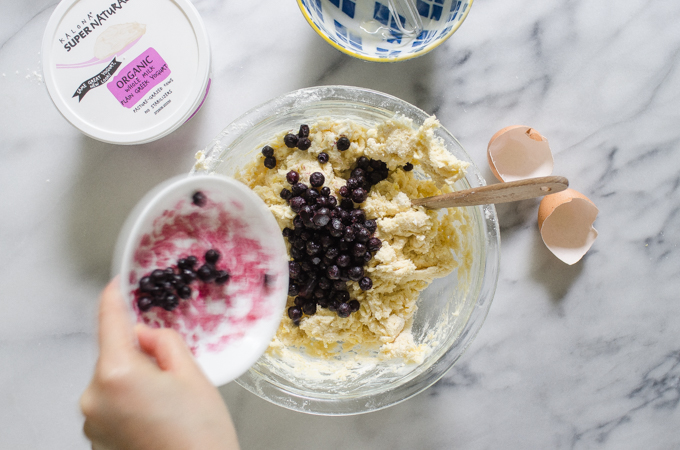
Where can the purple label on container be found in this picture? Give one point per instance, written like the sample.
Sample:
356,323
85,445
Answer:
136,79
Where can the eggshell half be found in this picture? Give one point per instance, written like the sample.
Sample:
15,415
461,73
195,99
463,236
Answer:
566,221
519,152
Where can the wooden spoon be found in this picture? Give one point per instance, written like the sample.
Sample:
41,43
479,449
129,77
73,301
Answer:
496,193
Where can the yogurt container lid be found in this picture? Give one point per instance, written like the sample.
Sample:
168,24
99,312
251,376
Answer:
126,71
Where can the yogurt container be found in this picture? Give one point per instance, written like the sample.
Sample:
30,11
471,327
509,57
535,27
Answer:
126,71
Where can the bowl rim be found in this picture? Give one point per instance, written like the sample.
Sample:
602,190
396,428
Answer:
489,232
428,48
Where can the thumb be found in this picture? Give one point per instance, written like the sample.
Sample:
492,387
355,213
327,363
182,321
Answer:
167,347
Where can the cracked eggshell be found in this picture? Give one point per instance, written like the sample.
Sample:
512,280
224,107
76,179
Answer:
565,221
519,152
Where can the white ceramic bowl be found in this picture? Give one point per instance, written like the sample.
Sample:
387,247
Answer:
229,326
369,30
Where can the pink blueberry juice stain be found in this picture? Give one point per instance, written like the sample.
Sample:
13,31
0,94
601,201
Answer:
215,314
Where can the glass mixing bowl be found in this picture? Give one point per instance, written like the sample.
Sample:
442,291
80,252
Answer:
450,311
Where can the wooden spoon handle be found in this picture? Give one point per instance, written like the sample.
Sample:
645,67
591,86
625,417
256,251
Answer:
496,193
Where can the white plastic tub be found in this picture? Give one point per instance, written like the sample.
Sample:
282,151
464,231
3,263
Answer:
126,71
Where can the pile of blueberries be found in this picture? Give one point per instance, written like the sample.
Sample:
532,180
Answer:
164,288
332,240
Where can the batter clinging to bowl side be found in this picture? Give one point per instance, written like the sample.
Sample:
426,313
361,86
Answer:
418,245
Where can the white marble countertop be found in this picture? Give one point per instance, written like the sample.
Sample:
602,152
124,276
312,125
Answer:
570,357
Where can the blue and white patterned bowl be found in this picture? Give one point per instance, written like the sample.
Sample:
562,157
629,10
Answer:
367,29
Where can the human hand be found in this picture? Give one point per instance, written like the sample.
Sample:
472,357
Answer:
150,395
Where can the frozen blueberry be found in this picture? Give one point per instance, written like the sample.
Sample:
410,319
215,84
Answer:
199,199
354,305
157,276
342,144
332,252
293,289
184,291
304,131
304,143
212,256
295,313
306,235
375,177
352,184
187,263
297,203
377,164
336,227
363,162
308,287
170,302
177,280
374,244
309,308
333,272
325,191
166,286
371,225
365,283
342,296
191,261
292,177
322,302
355,273
267,151
206,273
358,172
286,194
344,191
312,194
222,276
358,216
362,235
343,260
290,140
325,283
359,249
299,188
299,243
146,285
313,248
359,195
270,162
408,167
347,204
320,219
267,280
188,275
322,157
294,269
144,303
344,310
317,179
326,240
